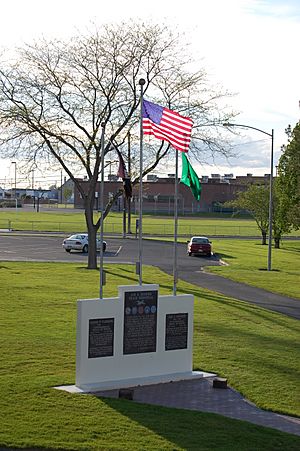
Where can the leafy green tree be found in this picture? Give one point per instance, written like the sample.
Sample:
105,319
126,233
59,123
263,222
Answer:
256,201
281,217
67,194
289,177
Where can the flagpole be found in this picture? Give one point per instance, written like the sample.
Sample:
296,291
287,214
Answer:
139,268
175,274
129,175
102,281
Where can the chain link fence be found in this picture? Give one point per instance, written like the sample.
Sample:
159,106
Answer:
151,229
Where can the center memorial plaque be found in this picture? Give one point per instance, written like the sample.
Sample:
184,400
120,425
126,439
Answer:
176,331
101,337
140,322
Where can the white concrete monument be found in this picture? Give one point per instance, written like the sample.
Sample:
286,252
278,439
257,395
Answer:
137,338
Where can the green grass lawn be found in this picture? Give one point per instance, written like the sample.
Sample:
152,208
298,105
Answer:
255,349
57,221
247,262
51,221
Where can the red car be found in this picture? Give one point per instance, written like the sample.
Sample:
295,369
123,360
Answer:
199,245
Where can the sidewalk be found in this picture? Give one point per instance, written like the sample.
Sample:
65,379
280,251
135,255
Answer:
199,394
258,296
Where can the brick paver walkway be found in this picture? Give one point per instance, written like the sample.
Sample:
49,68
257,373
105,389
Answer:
199,394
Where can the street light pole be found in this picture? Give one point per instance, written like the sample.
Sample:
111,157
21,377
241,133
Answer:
15,163
271,135
129,175
271,205
61,187
32,187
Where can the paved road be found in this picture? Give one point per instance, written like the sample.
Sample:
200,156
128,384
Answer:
48,248
191,269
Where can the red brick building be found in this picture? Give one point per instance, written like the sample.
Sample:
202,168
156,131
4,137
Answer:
158,194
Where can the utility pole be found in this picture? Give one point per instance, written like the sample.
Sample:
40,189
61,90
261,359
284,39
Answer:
271,135
61,184
15,163
32,187
129,175
124,215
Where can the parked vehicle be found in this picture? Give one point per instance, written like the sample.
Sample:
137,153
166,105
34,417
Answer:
199,245
80,242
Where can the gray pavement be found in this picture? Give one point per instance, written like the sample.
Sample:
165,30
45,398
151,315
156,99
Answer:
263,298
199,394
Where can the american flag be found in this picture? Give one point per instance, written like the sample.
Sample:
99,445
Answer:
167,125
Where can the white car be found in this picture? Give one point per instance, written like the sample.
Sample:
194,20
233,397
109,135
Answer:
80,242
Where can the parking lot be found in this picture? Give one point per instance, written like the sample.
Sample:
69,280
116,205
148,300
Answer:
48,248
24,247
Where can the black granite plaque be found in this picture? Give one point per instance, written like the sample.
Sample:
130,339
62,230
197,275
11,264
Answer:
140,322
176,331
101,337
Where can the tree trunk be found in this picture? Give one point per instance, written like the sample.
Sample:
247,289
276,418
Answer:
263,237
92,255
277,242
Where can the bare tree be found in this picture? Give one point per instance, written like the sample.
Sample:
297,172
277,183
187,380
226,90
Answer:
55,95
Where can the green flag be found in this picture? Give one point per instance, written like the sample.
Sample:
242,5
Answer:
189,177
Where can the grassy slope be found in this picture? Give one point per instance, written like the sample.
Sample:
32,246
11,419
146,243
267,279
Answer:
248,262
38,351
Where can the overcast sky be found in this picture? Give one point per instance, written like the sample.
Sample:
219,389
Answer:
249,46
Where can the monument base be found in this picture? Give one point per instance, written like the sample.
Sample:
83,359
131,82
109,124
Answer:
133,382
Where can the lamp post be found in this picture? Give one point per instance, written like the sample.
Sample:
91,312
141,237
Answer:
61,187
129,175
271,135
109,163
15,163
32,187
